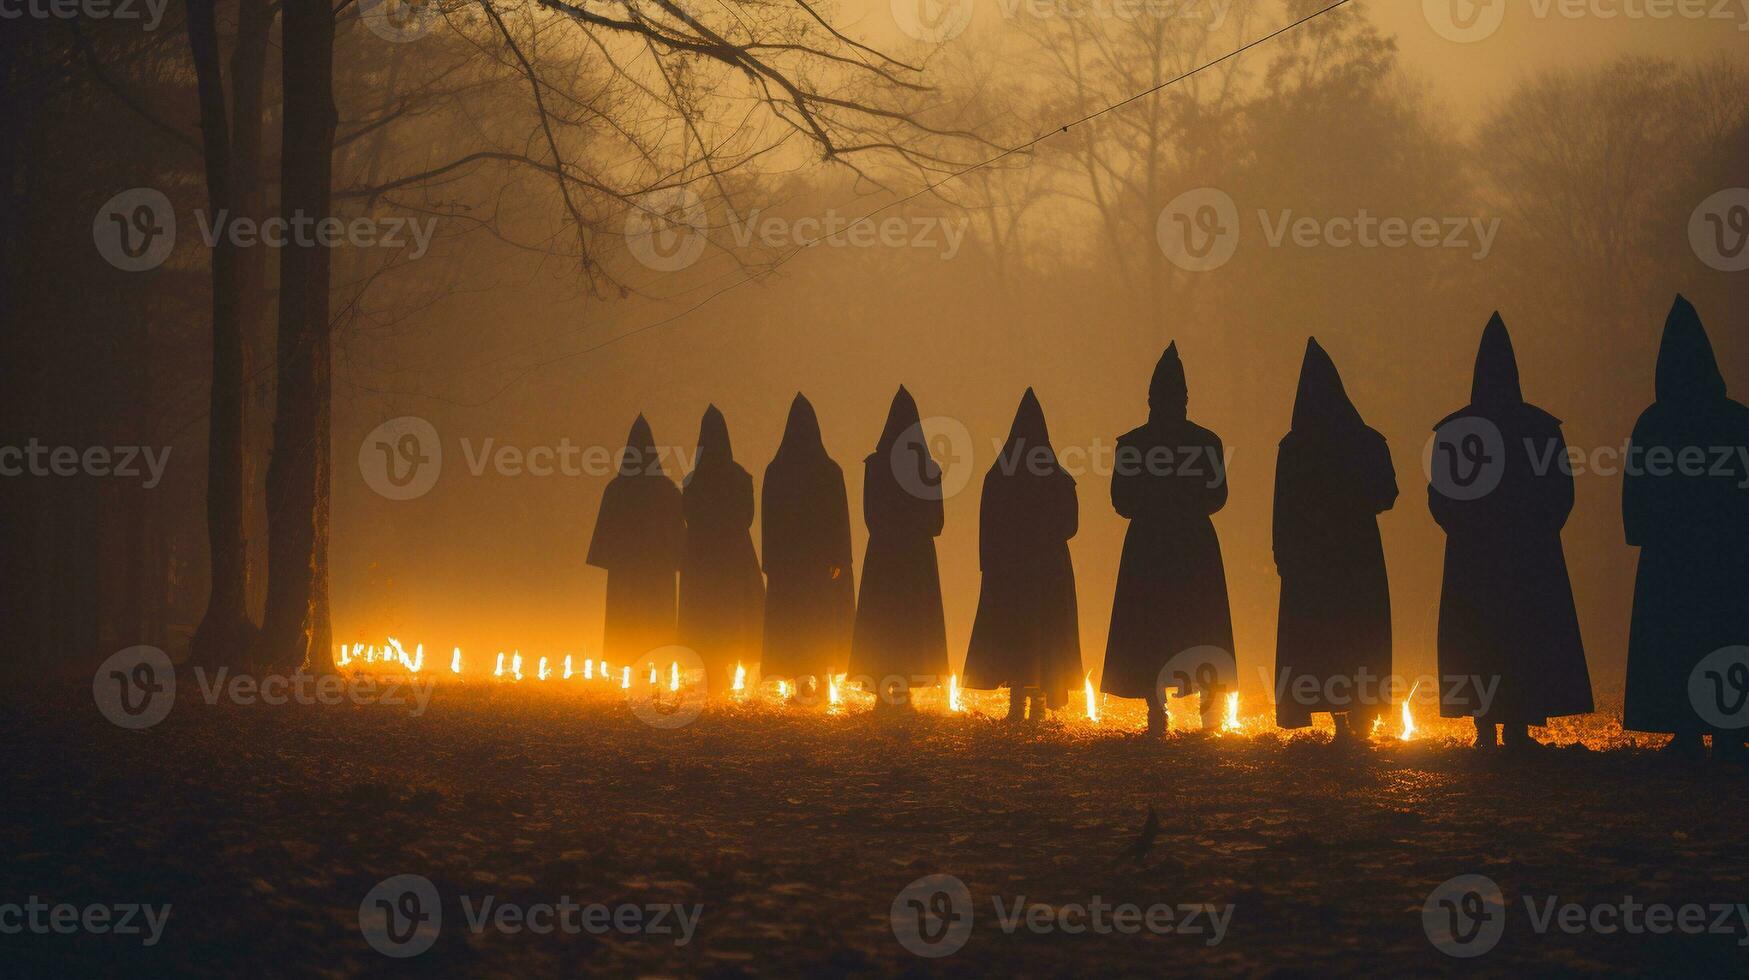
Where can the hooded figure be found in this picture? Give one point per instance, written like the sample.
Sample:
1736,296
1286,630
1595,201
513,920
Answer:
721,593
638,536
900,640
1691,524
1506,615
1171,601
810,598
1333,476
1027,634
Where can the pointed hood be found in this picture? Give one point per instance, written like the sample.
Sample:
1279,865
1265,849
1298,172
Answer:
1025,438
1168,395
902,416
1687,371
1029,423
713,439
1496,379
801,434
639,455
1322,403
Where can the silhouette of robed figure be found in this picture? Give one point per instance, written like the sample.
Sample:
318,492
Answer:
1027,634
1333,476
900,629
810,597
722,595
1691,596
1506,613
639,533
1169,476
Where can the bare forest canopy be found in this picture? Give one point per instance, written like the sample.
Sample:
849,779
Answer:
519,151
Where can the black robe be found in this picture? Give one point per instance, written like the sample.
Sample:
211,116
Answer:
1506,614
639,533
1169,477
1027,633
722,595
810,591
1691,595
1333,476
901,632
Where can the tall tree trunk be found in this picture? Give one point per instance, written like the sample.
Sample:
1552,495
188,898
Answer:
248,81
225,631
295,631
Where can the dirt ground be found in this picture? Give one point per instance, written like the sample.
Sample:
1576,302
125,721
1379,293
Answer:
794,832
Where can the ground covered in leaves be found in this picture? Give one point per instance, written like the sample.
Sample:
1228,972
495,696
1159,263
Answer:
266,826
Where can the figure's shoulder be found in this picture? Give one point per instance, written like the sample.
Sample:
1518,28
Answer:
1200,435
1138,436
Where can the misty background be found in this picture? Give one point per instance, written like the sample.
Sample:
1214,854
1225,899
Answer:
529,321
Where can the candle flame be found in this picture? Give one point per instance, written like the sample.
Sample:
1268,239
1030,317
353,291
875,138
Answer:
1231,723
953,693
1092,698
740,685
625,679
1408,718
455,661
673,675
